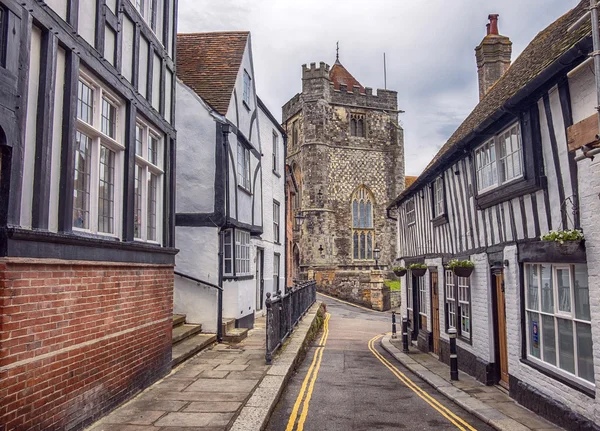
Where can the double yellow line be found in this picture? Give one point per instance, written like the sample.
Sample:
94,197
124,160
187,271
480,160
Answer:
444,411
309,380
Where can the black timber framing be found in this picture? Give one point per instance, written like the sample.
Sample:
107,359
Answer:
44,124
100,26
129,173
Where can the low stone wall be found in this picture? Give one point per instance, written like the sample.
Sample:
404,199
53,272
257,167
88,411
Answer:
395,298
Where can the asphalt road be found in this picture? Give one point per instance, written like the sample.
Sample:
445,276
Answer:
354,390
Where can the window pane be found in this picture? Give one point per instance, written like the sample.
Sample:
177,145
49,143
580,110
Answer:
106,187
566,356
533,320
355,240
369,215
547,289
564,290
85,103
582,293
152,192
153,150
109,119
139,140
549,339
355,216
465,319
532,287
369,246
81,184
360,128
362,246
585,359
137,210
363,221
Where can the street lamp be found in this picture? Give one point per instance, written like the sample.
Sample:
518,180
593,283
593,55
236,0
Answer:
299,219
376,252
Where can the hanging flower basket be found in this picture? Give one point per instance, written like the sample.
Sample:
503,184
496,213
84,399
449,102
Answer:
462,268
418,269
400,271
567,241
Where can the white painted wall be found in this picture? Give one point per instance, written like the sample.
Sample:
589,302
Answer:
56,140
127,49
168,95
110,40
58,6
198,302
86,24
156,74
143,71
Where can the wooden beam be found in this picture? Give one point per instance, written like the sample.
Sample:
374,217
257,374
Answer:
583,133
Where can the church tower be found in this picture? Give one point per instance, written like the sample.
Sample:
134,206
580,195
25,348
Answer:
346,149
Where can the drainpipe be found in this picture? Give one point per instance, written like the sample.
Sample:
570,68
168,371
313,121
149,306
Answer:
596,52
285,191
225,141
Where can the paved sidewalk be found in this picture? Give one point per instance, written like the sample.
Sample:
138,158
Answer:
489,403
210,391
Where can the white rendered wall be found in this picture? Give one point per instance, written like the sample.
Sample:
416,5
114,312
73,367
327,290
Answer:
198,302
143,69
56,140
156,74
58,6
86,24
198,252
196,146
127,48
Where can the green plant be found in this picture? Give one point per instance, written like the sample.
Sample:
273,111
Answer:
455,263
398,268
393,284
560,236
417,266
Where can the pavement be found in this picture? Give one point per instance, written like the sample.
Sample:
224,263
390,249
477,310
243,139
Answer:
491,404
348,382
226,387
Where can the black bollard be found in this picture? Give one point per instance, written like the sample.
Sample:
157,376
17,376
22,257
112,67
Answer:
405,334
453,355
394,336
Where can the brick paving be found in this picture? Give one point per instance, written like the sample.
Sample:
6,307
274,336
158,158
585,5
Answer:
205,393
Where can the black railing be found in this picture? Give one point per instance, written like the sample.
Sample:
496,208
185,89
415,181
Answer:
219,301
284,312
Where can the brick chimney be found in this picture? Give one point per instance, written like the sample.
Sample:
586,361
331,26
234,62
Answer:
493,56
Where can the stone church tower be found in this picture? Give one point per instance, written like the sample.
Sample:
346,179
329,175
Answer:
346,150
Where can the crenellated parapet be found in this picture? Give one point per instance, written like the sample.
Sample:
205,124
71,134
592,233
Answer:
312,71
292,107
383,99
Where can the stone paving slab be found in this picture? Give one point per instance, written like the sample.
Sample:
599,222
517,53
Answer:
489,403
224,387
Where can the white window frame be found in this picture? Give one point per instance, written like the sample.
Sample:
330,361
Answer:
463,287
494,166
423,309
148,11
98,139
148,168
247,88
228,233
242,253
275,152
450,299
276,271
276,222
411,214
409,295
557,314
243,166
439,201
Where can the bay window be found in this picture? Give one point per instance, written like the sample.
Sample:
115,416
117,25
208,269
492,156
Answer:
499,160
98,159
149,177
559,332
457,293
236,253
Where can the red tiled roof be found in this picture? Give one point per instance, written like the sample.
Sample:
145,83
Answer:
408,181
209,63
339,75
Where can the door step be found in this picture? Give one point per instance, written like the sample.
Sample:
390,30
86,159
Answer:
190,346
178,319
184,331
235,335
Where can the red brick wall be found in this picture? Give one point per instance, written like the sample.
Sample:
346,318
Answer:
78,339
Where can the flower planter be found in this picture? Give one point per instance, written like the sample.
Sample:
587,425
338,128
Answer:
400,273
568,247
463,271
418,272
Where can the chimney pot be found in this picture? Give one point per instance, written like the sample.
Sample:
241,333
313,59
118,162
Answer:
493,29
488,28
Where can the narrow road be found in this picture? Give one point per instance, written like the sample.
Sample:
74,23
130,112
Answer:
348,383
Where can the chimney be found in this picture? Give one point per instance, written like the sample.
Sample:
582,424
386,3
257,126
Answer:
493,56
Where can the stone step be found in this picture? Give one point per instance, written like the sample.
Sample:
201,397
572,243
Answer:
189,347
178,319
181,332
235,335
228,324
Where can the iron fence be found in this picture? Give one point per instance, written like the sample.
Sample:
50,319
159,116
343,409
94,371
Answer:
284,312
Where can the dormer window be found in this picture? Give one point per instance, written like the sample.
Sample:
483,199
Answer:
499,160
357,125
247,81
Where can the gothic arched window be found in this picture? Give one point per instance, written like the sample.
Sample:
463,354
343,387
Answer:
357,125
363,233
353,127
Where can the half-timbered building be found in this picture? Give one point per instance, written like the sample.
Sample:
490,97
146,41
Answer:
86,206
525,317
220,178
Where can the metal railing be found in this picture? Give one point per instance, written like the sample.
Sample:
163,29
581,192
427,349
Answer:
284,312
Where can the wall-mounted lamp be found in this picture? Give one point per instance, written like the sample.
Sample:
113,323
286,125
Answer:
376,253
299,219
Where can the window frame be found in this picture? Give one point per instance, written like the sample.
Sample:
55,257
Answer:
439,209
362,204
276,222
276,271
242,267
556,315
247,90
423,309
460,305
148,13
244,174
411,215
356,120
98,140
275,159
498,171
228,233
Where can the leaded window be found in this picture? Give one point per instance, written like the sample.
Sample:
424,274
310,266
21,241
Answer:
363,232
559,331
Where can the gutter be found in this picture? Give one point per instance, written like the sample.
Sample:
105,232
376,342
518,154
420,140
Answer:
580,49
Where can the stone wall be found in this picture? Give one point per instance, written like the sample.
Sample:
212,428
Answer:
395,298
359,287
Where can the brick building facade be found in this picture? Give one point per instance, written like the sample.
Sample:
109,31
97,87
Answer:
346,149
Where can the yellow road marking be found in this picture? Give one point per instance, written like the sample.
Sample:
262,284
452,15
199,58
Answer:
316,363
348,303
444,411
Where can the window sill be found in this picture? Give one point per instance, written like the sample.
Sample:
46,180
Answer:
244,189
238,277
277,174
509,191
556,376
439,220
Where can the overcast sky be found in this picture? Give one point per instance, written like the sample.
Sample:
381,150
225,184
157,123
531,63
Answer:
429,47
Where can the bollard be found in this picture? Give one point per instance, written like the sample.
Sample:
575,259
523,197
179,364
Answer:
453,356
405,334
394,336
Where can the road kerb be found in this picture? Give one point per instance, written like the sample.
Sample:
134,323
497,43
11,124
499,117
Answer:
253,417
472,405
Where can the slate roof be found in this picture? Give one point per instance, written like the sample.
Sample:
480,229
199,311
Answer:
340,75
546,48
209,63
